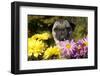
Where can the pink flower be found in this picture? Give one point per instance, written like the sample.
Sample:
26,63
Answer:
67,48
82,47
73,50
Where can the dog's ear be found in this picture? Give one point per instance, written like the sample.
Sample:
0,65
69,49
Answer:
73,26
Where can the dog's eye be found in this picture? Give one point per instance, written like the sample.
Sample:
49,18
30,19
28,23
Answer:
68,28
56,29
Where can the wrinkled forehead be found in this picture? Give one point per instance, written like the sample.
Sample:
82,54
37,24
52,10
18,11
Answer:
61,24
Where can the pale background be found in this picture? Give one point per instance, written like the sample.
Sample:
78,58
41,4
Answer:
5,38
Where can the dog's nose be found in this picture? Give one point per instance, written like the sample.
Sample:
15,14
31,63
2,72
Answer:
62,37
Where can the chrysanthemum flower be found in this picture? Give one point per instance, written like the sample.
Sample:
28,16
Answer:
82,47
35,47
67,47
85,41
43,36
52,53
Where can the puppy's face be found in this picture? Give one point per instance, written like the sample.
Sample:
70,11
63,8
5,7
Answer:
62,30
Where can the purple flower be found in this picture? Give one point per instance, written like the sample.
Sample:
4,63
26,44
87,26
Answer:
85,41
73,50
82,47
67,48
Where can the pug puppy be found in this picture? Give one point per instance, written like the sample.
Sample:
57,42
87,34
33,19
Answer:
62,30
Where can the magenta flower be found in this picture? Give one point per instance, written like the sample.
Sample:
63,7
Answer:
85,41
67,48
82,47
73,50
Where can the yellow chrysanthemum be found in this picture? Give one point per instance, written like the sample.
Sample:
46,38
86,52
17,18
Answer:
52,51
43,36
35,47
